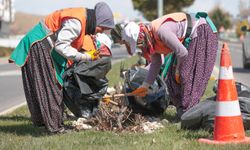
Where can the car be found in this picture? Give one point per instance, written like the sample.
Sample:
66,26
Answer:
246,47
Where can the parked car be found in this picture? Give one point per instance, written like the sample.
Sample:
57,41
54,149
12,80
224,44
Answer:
246,47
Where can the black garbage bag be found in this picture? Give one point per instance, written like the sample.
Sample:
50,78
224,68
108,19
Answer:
84,85
202,115
155,102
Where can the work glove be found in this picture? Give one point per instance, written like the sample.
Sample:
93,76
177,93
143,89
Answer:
142,91
90,55
94,54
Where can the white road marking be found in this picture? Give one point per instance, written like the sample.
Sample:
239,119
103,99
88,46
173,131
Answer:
10,73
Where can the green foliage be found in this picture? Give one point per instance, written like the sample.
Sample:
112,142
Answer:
220,18
149,7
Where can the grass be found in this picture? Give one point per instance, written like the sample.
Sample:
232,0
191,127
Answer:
17,132
114,74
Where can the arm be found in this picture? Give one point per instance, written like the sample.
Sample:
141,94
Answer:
71,29
168,34
154,68
152,73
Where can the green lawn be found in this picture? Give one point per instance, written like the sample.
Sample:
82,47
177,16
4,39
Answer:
17,132
114,74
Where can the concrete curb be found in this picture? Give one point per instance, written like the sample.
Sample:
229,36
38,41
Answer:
12,109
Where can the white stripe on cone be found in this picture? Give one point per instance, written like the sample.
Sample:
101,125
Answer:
226,73
227,108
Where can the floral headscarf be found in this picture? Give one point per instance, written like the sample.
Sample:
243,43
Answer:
145,40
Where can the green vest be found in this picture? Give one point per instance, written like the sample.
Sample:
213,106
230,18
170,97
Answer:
20,53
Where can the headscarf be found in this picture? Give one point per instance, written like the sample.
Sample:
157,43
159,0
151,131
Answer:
146,41
104,15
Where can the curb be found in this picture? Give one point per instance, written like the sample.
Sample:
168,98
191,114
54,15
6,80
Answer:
12,108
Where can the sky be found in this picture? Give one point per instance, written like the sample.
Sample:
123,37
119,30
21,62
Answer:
124,7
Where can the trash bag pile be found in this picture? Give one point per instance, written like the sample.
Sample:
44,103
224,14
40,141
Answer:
202,115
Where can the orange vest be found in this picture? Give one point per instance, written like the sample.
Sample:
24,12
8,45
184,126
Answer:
54,22
159,46
88,43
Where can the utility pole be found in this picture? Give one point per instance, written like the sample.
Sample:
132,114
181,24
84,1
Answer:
10,10
160,8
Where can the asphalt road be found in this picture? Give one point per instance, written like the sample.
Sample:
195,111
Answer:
11,89
240,74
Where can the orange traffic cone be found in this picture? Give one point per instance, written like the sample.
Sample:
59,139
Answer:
228,121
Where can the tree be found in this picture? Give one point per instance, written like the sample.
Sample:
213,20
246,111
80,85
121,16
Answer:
149,7
220,18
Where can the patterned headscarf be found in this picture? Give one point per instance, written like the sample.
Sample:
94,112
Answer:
145,40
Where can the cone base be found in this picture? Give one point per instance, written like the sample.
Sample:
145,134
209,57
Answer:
208,141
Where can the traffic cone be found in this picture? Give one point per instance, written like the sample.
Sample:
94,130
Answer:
228,121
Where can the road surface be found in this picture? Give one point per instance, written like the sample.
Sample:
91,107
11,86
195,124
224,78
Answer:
240,74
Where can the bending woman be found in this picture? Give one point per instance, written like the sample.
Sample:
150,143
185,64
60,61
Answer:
43,53
187,80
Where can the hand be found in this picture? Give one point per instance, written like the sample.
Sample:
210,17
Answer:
94,54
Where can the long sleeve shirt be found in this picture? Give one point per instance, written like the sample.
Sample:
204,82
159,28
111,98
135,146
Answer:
169,33
70,30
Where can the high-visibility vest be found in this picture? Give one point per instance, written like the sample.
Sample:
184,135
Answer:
159,46
54,22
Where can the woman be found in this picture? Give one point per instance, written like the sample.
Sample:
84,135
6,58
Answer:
43,53
187,79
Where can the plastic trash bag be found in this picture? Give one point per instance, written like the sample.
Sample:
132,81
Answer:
155,102
84,85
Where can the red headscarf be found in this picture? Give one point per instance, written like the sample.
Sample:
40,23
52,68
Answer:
146,41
